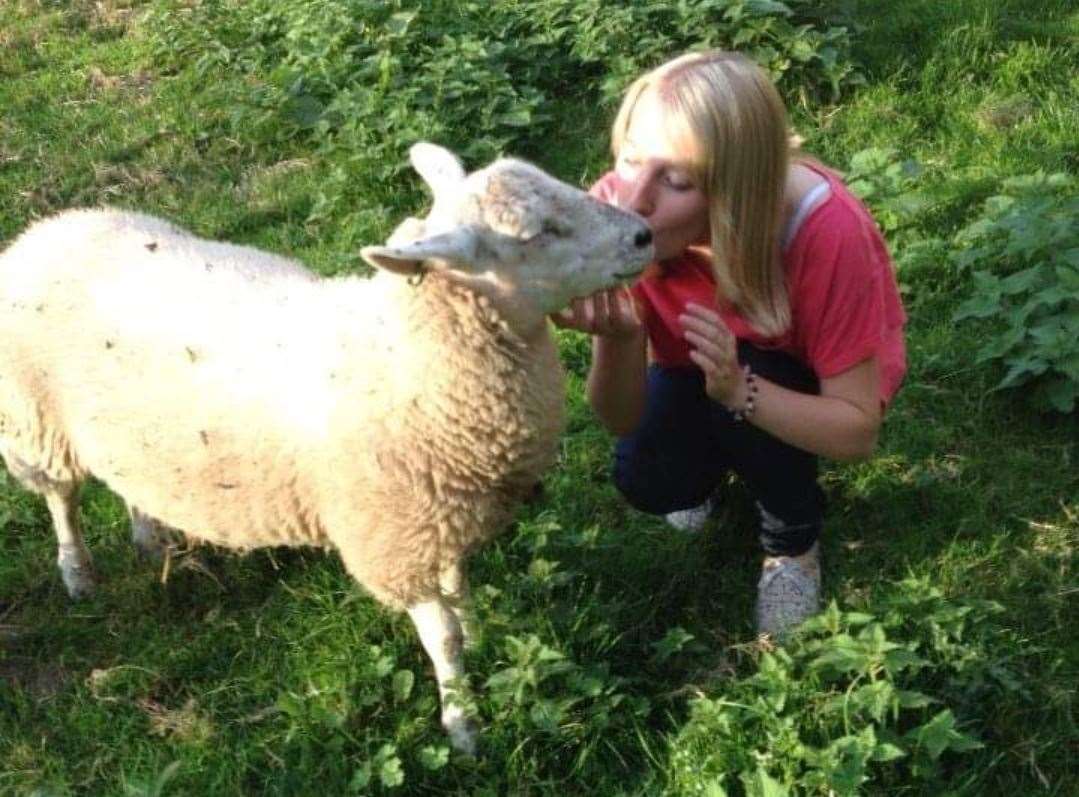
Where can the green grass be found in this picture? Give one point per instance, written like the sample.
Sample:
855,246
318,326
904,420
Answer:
272,674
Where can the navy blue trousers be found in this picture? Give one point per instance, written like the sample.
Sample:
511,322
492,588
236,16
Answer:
686,443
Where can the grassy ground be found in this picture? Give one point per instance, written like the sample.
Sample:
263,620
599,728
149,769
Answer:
271,674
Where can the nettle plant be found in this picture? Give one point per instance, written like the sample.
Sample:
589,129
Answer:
856,702
361,80
887,183
1023,254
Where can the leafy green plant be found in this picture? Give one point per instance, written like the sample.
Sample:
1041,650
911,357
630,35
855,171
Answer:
384,767
887,183
857,700
364,80
892,187
546,690
1026,243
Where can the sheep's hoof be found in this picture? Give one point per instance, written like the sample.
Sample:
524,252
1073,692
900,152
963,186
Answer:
80,580
463,732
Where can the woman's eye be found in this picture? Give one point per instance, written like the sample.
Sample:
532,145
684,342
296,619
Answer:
679,182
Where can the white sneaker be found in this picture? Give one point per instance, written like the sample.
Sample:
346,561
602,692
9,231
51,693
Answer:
788,592
691,520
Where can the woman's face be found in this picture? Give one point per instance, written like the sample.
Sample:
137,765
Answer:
656,181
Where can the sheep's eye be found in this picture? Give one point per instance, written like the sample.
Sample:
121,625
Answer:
554,229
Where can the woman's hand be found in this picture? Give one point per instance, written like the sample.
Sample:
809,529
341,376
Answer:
610,314
715,351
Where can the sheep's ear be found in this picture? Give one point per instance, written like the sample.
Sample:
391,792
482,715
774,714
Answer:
453,249
439,167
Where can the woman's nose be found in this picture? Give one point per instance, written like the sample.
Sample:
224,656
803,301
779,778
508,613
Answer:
640,199
639,196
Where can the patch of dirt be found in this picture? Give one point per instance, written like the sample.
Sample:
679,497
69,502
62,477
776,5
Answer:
117,180
183,723
256,180
101,15
1006,113
137,83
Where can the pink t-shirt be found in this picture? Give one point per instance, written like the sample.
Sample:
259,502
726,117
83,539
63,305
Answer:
845,304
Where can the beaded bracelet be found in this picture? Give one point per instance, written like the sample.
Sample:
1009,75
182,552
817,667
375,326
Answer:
746,412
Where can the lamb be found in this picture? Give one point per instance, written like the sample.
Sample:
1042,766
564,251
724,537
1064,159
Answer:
231,393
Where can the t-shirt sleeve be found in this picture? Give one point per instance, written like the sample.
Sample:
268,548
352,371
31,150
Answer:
839,304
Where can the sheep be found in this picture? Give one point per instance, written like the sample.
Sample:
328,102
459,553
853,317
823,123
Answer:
235,395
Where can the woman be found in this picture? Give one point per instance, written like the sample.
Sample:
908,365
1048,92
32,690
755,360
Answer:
768,333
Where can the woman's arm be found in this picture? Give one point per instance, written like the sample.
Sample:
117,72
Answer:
841,423
616,382
616,379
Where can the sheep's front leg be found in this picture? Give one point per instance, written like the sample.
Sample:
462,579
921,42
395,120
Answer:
73,557
453,582
440,633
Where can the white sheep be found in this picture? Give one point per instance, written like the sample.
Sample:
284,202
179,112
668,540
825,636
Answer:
233,394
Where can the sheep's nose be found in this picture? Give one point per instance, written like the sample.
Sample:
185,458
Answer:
643,238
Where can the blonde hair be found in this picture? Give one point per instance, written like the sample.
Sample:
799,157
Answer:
730,107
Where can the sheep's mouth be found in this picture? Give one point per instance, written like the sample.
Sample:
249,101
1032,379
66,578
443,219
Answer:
628,275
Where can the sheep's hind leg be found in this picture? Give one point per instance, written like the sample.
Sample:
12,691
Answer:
151,537
440,633
453,581
73,557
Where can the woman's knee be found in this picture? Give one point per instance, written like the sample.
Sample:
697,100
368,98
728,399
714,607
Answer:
667,465
654,487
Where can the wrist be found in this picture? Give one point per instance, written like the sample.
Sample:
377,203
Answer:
616,356
632,338
742,403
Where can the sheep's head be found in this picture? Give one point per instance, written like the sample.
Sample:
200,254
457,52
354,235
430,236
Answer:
515,232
